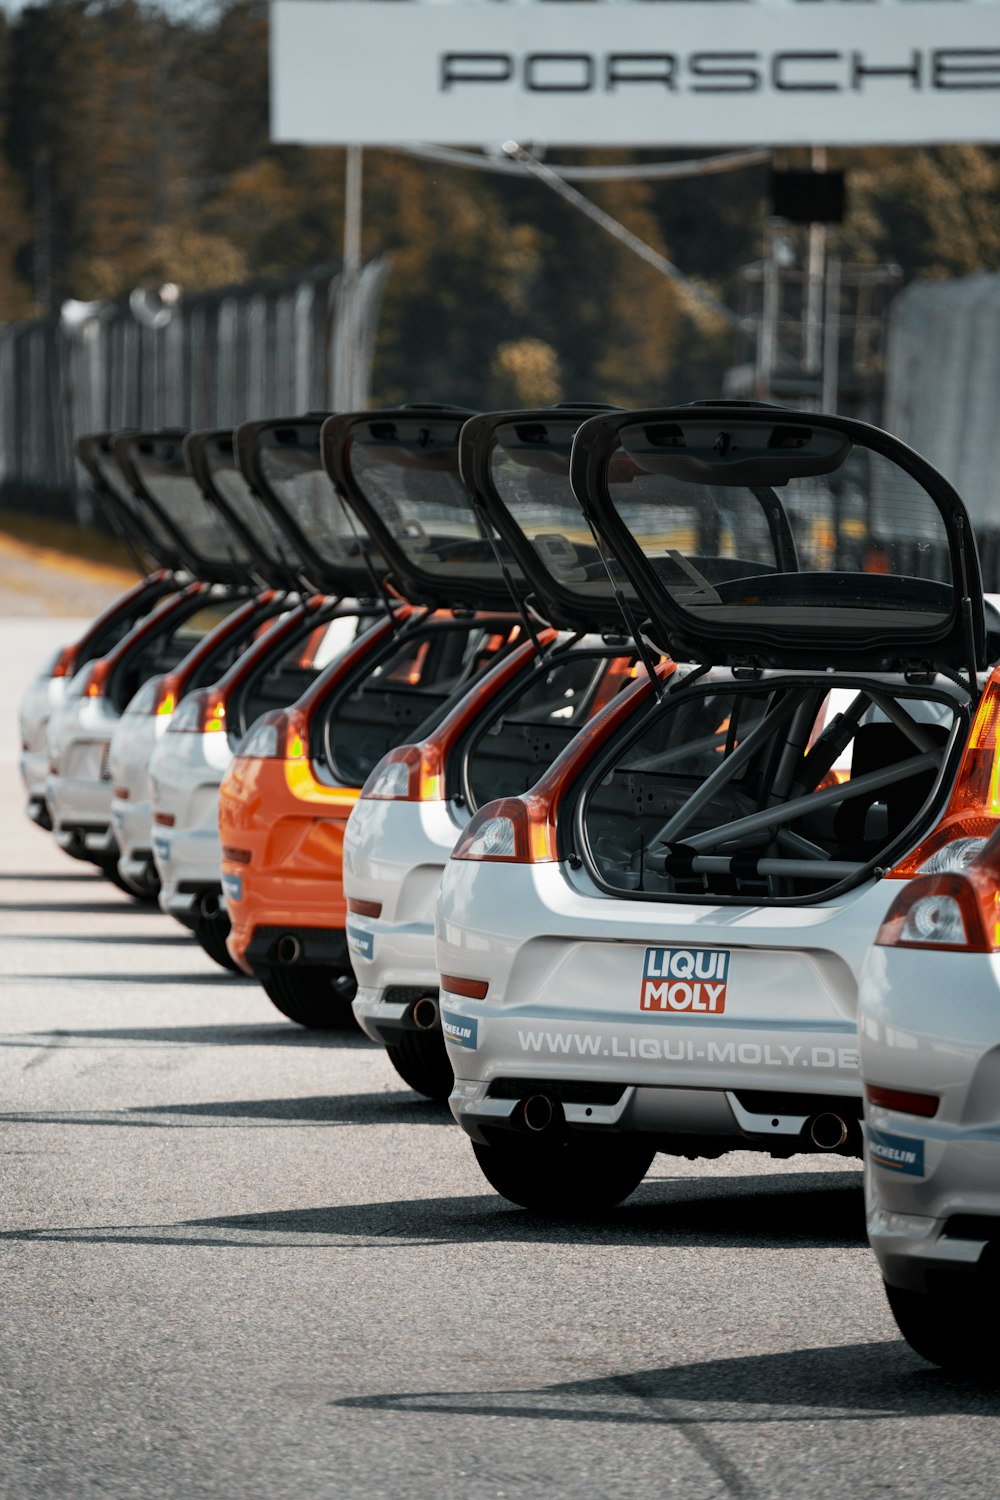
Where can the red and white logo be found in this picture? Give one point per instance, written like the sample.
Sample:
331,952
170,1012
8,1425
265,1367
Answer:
685,981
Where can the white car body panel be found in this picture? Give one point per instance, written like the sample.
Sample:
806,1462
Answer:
133,741
44,696
930,1023
564,963
78,789
185,772
395,853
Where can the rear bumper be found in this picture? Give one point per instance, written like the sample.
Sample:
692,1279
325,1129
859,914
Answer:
958,1179
684,1122
316,947
388,1015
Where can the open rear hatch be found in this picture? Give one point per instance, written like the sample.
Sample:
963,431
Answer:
281,461
211,458
137,522
835,573
779,538
398,470
153,463
516,468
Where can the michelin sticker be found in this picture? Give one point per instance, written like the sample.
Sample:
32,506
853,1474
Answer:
897,1153
682,981
461,1031
232,887
360,942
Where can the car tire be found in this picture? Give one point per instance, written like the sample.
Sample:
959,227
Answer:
316,997
421,1060
568,1177
211,933
950,1327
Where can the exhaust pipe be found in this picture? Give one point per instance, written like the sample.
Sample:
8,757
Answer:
538,1113
828,1132
288,949
425,1014
208,906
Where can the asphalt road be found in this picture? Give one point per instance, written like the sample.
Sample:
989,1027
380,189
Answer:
239,1260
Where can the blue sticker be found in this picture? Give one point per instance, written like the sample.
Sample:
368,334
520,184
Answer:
162,850
897,1153
360,942
461,1031
232,886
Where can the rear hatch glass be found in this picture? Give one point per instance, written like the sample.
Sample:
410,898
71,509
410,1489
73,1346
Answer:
783,537
155,462
282,462
516,465
212,461
138,518
398,469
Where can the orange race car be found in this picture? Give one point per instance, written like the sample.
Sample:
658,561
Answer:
287,796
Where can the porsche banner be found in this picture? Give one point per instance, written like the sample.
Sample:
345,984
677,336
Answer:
691,73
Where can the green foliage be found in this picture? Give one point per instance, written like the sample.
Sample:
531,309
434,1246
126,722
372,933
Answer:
134,148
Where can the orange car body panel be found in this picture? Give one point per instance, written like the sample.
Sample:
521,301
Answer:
292,828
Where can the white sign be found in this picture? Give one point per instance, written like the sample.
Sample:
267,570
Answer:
685,74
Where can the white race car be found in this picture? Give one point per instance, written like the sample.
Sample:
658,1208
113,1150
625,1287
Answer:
929,1040
179,479
496,742
164,574
78,784
278,492
657,947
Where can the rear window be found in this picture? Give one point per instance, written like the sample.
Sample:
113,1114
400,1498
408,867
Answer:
408,473
529,469
292,470
819,527
191,513
233,488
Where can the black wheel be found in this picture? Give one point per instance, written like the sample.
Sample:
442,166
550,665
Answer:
955,1327
319,998
211,933
421,1060
570,1176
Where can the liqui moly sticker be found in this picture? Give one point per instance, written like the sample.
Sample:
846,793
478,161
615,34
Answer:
685,981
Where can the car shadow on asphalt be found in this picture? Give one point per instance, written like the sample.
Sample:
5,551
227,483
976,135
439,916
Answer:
84,908
395,1107
883,1381
179,938
806,1212
271,1034
214,976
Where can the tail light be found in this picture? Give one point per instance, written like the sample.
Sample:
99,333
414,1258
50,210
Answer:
280,735
155,697
973,811
416,773
97,680
522,830
203,712
65,662
168,694
410,773
951,913
904,1100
